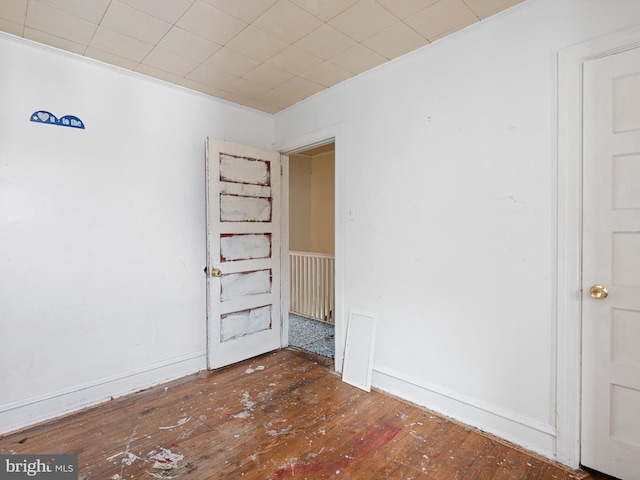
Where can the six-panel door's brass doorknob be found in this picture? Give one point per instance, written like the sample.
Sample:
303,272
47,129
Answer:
599,292
212,272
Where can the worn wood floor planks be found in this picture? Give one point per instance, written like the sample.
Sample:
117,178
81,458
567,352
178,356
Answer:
281,415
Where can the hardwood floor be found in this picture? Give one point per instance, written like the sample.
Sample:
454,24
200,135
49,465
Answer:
281,415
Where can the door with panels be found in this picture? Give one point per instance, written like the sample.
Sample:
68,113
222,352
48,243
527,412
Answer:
610,439
243,252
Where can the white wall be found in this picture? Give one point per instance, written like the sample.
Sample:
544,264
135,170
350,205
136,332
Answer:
448,158
102,230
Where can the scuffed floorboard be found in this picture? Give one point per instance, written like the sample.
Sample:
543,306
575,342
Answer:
281,415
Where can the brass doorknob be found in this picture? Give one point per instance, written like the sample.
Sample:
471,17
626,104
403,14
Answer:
212,272
599,292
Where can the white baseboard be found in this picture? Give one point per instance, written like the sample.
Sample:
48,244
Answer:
529,433
536,436
23,413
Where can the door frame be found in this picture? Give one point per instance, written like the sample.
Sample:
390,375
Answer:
568,221
333,133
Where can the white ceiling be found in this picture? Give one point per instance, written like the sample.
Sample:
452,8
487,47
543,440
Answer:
265,54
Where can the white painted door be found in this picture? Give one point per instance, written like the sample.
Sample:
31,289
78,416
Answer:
611,258
243,252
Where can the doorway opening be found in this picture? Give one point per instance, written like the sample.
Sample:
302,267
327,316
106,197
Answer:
312,250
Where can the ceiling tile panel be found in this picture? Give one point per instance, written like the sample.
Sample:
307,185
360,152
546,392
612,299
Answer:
12,28
58,23
441,18
239,99
169,62
211,23
157,73
92,11
363,20
268,75
167,10
248,102
134,23
197,86
258,105
358,58
325,42
47,39
231,97
300,87
246,88
287,22
294,60
327,74
120,45
326,9
256,44
396,40
279,98
14,11
265,54
486,8
107,57
188,45
245,10
232,62
404,8
211,77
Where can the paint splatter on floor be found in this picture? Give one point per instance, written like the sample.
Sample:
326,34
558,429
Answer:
248,406
179,423
165,459
374,438
189,431
127,458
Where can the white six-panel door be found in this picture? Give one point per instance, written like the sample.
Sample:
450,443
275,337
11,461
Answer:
243,252
611,260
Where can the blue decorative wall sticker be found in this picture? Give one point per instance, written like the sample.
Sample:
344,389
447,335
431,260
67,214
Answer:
42,116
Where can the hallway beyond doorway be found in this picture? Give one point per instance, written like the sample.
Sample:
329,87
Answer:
311,335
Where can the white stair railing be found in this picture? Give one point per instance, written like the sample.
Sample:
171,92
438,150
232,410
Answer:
311,285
